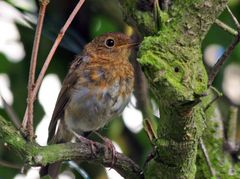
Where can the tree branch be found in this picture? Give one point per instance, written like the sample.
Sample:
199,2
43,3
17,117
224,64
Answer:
9,165
37,155
52,51
226,27
214,71
206,157
28,122
232,126
172,62
234,18
11,113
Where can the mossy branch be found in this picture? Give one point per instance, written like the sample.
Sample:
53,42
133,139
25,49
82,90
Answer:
37,155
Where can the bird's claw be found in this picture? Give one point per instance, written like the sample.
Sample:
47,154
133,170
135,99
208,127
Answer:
89,142
92,147
112,149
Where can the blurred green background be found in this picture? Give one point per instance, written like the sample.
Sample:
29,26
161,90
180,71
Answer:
94,18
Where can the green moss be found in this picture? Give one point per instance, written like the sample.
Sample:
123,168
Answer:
11,136
49,154
177,70
164,18
153,171
146,20
176,75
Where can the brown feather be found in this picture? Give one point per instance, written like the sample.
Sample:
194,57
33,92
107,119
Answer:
63,99
97,88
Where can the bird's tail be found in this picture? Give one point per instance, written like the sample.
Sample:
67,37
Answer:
62,135
51,169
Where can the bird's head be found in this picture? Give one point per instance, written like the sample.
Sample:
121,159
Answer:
113,45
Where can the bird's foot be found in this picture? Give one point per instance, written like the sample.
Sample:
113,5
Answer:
87,141
110,147
93,148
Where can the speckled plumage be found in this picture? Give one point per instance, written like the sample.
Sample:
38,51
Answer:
97,88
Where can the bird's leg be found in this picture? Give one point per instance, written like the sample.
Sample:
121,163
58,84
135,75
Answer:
110,146
92,147
89,142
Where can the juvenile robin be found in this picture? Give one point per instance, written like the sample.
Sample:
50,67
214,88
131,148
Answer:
96,89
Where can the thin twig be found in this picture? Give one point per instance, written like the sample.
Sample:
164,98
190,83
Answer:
226,27
232,126
9,165
206,156
233,17
52,51
141,93
227,52
11,113
218,95
157,12
149,130
28,122
223,59
230,143
211,102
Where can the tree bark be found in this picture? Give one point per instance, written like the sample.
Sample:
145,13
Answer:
171,58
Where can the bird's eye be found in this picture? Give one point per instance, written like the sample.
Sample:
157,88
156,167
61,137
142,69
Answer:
109,43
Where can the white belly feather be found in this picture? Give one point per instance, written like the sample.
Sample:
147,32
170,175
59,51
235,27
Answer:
90,110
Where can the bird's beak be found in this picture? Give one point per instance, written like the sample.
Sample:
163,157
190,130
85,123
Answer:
133,44
130,44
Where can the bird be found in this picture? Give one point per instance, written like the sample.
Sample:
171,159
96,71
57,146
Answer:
97,88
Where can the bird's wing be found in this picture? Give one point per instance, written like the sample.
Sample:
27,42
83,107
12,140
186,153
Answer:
64,97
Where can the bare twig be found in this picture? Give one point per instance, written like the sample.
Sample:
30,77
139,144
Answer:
28,122
226,27
232,126
218,95
211,102
9,165
234,18
222,59
149,130
11,113
230,142
227,52
205,154
141,93
140,84
157,12
52,51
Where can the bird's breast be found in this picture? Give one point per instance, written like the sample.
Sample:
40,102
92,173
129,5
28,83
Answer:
100,94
